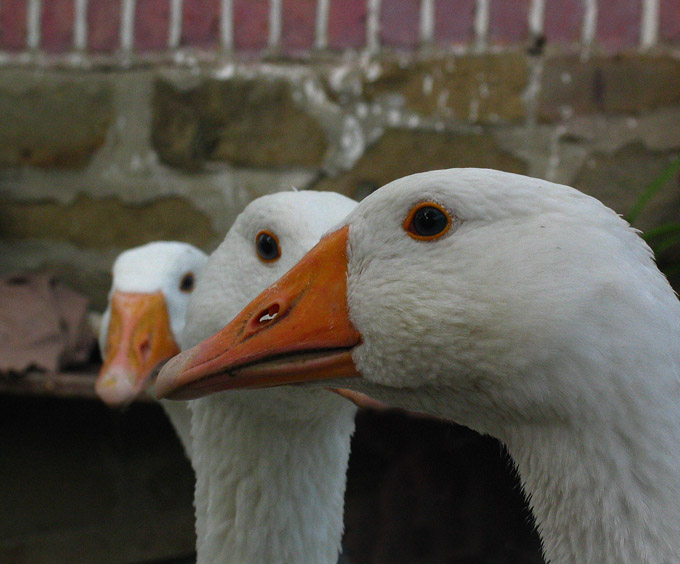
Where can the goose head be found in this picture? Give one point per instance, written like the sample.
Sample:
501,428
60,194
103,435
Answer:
509,298
267,239
145,315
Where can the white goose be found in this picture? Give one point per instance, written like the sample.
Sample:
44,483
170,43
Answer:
270,466
518,307
143,321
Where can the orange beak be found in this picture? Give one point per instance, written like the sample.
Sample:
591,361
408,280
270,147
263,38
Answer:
296,331
139,338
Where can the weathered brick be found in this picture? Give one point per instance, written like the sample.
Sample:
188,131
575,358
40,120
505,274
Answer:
478,88
401,152
632,83
106,222
669,21
12,25
52,122
251,24
347,24
400,23
152,22
103,25
201,23
246,122
563,21
618,24
454,21
508,21
298,24
57,25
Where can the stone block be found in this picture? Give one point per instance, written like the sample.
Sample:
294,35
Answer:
508,21
103,25
618,24
201,23
347,24
152,23
251,24
454,21
476,88
13,25
245,122
400,23
56,33
298,25
400,152
669,21
563,21
107,222
624,84
48,121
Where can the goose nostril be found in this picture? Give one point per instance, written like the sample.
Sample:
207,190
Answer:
268,314
144,350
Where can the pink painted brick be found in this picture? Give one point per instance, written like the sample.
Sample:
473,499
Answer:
56,21
508,21
251,24
669,21
563,21
12,25
347,24
454,21
298,24
152,23
103,25
400,23
201,23
618,24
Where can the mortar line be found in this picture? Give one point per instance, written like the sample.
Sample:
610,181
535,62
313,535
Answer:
33,17
227,25
427,21
321,24
80,25
589,24
373,26
175,26
275,17
481,24
649,24
127,25
536,17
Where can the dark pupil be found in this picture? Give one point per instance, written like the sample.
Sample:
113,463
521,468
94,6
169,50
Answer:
429,221
267,247
187,282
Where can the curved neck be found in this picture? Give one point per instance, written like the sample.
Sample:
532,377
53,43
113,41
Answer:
269,489
608,494
180,416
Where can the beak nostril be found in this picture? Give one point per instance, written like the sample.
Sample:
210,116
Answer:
268,314
144,349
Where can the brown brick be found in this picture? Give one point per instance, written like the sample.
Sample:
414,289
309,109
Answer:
250,123
401,152
52,122
106,222
479,88
624,84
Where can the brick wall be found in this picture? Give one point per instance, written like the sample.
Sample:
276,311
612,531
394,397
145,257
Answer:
122,121
298,27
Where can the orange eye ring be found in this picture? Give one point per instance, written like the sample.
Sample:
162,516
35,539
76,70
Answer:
428,221
267,246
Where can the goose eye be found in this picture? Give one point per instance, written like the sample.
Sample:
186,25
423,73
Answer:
427,221
187,282
267,245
